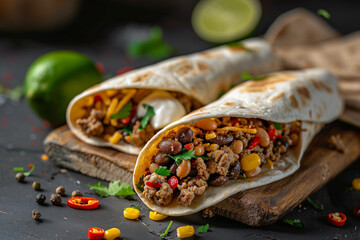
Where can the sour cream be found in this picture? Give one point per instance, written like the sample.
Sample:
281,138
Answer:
167,108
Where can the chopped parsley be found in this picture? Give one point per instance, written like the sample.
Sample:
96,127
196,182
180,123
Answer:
203,228
124,112
129,131
140,184
183,155
296,222
21,169
148,115
316,205
162,171
114,189
324,13
18,169
243,174
167,230
248,76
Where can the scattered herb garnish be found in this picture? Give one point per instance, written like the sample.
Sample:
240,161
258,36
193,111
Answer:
248,76
30,171
349,189
162,171
239,45
243,174
18,169
128,130
14,94
203,157
295,222
154,47
316,205
148,115
324,13
114,189
203,228
124,112
183,155
140,184
21,169
167,230
277,126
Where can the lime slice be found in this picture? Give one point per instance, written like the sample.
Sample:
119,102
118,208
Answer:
220,21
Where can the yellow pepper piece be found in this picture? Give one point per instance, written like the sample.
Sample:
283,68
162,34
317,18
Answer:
115,138
156,216
131,213
250,162
185,231
112,233
210,135
356,184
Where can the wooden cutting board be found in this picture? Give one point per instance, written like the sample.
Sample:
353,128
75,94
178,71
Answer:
255,207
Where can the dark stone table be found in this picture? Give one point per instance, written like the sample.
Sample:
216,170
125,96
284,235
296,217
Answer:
101,31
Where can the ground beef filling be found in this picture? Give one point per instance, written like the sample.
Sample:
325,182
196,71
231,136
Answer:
98,123
213,151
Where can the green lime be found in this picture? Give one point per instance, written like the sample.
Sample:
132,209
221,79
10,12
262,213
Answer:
54,79
221,21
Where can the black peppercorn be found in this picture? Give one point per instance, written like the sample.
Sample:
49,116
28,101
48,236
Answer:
40,199
76,193
20,177
36,186
60,190
36,214
55,199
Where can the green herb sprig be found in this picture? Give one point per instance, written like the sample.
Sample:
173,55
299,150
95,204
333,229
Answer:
148,115
183,155
167,230
123,113
203,228
114,189
316,205
21,169
296,222
140,184
324,13
162,171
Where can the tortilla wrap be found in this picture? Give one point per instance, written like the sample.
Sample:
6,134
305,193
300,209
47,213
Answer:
310,96
203,76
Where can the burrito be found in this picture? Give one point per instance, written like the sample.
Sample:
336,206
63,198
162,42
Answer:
126,111
254,135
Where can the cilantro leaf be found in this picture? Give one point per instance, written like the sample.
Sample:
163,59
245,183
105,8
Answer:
123,113
154,47
277,126
248,76
324,13
30,171
148,115
18,169
203,228
114,189
129,131
140,184
162,171
316,205
183,155
295,222
167,230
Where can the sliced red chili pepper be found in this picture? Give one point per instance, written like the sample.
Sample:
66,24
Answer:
125,120
153,185
272,135
83,203
124,70
357,211
254,142
251,126
337,219
234,121
189,146
95,233
173,182
97,98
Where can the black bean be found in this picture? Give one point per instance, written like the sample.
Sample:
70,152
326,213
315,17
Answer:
173,168
20,177
235,171
161,160
222,139
40,199
170,146
218,180
184,135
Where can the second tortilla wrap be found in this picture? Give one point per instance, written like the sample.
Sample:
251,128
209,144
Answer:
199,78
309,96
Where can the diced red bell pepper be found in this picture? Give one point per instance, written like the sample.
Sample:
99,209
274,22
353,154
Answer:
173,182
125,120
153,185
357,211
97,98
83,203
30,166
234,121
254,142
337,221
95,233
189,146
124,70
272,135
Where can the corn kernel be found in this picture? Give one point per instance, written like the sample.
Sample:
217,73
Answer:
115,138
131,213
356,184
156,216
209,136
111,93
112,233
185,231
250,162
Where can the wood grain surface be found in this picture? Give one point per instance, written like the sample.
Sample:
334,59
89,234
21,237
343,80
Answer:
255,207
